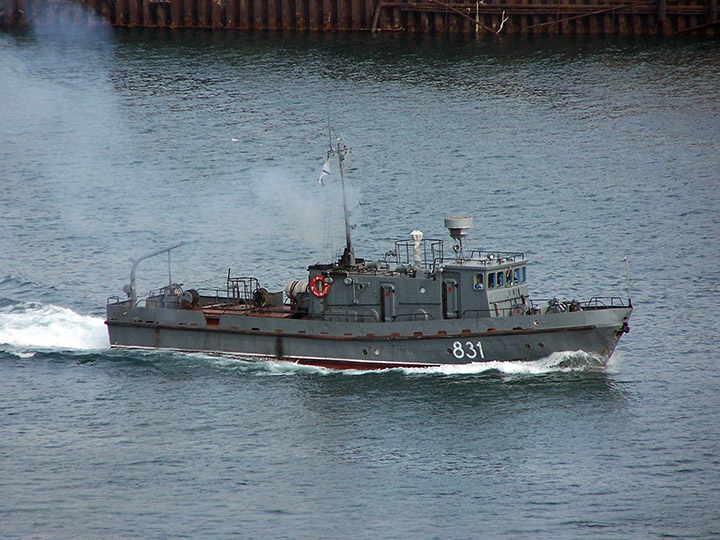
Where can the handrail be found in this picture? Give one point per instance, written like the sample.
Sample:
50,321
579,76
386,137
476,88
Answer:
415,316
596,302
434,254
599,302
500,312
357,317
490,255
242,288
432,250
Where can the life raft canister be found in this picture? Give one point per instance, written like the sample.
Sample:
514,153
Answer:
319,286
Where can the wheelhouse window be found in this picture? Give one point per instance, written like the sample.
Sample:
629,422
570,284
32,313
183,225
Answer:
500,279
478,281
516,275
491,280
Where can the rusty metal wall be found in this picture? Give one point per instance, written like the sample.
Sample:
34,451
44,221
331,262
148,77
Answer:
619,17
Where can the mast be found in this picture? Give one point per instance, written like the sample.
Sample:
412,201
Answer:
348,256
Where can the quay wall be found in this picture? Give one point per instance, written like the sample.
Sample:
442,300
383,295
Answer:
474,17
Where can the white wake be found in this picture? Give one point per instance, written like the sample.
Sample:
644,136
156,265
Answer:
32,326
557,362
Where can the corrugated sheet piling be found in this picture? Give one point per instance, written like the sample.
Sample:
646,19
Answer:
473,17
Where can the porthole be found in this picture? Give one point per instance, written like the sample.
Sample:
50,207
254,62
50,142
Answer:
364,352
541,345
527,345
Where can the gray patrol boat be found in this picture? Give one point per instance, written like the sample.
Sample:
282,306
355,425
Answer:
415,307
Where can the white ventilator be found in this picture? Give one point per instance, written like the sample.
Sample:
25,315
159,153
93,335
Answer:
417,237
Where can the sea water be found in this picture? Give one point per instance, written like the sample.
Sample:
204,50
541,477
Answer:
577,151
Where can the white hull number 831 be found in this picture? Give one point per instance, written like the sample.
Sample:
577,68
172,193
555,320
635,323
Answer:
467,350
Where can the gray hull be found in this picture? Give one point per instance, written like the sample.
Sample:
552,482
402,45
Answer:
371,345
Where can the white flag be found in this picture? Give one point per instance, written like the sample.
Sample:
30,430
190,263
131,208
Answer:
325,172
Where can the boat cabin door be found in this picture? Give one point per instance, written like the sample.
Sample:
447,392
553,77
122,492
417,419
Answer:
387,301
450,298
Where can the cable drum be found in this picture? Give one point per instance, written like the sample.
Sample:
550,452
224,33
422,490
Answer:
189,299
261,297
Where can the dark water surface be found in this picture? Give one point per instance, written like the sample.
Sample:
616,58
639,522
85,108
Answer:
576,152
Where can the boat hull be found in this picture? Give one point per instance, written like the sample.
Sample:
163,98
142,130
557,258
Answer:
353,345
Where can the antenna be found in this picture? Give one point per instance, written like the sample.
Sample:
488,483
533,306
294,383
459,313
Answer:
329,128
627,276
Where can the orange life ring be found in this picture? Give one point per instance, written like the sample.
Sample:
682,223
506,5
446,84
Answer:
319,286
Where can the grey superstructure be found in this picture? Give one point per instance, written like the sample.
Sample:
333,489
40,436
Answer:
415,307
